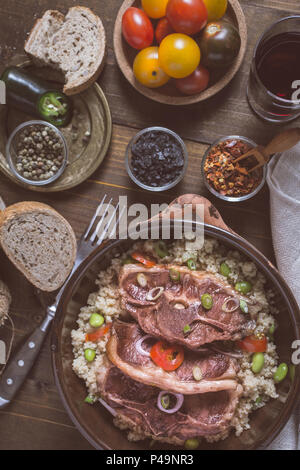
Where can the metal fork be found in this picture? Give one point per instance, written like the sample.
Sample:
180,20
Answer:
22,362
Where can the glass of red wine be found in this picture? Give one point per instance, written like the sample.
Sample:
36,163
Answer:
274,84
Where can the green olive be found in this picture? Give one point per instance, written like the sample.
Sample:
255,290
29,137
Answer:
258,361
280,373
96,320
191,444
225,270
89,355
207,301
244,287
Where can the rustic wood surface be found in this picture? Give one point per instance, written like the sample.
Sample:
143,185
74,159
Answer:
37,419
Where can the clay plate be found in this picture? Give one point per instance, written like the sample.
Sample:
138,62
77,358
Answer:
168,94
91,115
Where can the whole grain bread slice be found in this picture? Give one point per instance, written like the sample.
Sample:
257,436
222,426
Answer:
74,44
5,301
39,242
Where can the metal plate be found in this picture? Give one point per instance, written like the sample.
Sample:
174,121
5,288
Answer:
91,115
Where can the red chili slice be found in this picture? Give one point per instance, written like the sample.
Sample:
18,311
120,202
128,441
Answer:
141,259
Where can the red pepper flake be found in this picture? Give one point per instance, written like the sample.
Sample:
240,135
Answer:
227,178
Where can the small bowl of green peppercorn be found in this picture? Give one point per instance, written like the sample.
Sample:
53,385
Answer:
37,153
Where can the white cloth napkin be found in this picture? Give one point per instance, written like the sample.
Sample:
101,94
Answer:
284,183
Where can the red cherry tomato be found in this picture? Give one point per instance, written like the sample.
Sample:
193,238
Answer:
137,28
253,344
194,83
141,259
167,357
187,16
98,334
163,29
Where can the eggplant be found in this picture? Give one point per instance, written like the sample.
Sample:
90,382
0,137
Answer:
220,44
36,97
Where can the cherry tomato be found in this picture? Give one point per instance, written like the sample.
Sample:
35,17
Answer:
155,8
138,256
253,343
163,29
166,356
179,55
147,70
216,9
187,16
97,335
137,28
194,83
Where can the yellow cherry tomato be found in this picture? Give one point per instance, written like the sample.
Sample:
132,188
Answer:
216,9
179,55
147,70
155,8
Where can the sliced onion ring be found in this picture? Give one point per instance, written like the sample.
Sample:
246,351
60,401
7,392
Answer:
236,305
155,293
179,397
139,345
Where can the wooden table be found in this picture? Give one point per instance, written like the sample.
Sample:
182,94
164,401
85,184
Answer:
37,418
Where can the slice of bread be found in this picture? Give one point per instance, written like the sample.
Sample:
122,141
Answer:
39,242
5,301
74,44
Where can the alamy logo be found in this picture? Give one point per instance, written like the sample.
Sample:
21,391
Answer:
2,92
2,353
296,94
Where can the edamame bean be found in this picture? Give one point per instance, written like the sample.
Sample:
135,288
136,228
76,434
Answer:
191,444
207,301
89,355
258,361
96,320
244,287
225,270
280,373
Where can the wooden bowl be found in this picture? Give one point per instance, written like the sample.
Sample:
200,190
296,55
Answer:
168,94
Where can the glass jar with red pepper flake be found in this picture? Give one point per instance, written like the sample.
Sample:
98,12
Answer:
228,180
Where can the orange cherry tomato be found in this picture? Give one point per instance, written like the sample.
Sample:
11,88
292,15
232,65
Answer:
166,356
179,55
141,259
194,83
98,334
147,70
137,28
163,29
155,8
216,9
253,344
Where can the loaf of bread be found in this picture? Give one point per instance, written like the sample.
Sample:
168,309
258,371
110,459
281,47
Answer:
74,44
5,301
39,242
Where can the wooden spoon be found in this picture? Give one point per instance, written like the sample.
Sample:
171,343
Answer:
281,143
